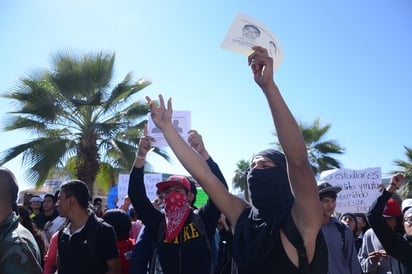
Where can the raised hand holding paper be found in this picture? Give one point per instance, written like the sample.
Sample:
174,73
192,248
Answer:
181,120
246,32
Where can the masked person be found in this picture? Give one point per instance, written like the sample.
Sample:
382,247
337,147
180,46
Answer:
279,231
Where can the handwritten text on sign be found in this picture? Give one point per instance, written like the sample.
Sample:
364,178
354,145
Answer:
359,188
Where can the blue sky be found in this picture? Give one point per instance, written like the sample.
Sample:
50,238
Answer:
346,62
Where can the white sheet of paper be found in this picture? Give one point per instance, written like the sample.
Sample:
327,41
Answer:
246,32
182,122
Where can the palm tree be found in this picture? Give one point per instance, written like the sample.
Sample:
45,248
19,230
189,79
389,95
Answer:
406,170
319,150
240,181
74,110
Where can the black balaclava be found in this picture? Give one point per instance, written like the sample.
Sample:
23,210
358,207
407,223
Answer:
271,200
269,188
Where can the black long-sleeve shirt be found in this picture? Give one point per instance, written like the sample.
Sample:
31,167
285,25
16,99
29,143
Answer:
399,247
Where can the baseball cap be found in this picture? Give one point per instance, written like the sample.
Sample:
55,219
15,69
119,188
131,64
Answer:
392,209
174,180
407,203
324,187
36,199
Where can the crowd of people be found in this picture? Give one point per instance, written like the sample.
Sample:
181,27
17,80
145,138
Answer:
288,226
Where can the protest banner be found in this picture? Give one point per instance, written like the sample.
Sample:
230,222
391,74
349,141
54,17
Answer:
359,188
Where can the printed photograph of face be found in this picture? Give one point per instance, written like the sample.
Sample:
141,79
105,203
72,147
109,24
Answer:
250,31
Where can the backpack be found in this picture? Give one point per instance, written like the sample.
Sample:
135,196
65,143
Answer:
91,245
155,267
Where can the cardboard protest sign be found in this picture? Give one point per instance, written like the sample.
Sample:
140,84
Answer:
246,32
360,188
150,181
180,119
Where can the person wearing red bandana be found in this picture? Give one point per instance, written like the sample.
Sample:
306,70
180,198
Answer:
186,248
279,230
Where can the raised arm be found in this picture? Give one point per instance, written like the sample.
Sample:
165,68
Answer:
137,192
306,211
230,205
394,244
209,210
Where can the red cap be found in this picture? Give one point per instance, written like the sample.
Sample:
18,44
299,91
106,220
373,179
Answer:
174,180
392,209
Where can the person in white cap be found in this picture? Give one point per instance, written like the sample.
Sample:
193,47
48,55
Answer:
398,246
36,203
406,204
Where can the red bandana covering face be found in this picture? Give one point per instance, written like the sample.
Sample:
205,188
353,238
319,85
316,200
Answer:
177,210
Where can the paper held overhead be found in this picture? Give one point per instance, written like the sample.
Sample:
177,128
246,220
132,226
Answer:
246,32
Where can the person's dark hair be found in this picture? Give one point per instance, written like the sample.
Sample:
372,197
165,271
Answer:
363,216
28,223
353,216
329,194
25,219
9,186
51,195
77,189
120,221
97,200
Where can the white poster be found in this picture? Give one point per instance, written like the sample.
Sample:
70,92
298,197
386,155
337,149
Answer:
246,32
360,188
150,181
181,121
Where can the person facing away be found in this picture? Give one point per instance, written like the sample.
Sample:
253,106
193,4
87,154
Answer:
339,236
397,246
282,188
19,251
86,244
186,235
122,224
372,256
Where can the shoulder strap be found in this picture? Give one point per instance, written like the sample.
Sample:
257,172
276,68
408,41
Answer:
293,235
341,227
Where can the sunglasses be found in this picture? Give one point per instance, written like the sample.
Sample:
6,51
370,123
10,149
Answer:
408,220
